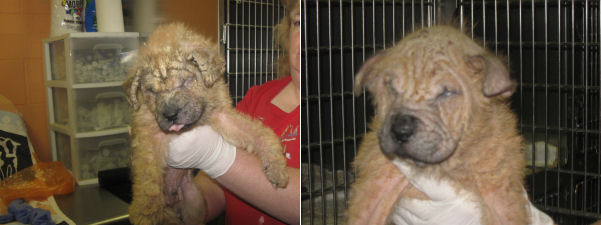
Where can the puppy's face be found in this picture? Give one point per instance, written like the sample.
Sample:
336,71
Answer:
177,99
427,89
175,76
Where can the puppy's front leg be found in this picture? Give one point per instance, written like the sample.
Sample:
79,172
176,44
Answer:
377,188
173,179
147,163
193,211
375,199
147,174
184,197
244,132
504,204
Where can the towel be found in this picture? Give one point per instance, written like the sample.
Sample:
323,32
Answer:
20,211
41,217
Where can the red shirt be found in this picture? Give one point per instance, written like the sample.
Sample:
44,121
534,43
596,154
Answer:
257,103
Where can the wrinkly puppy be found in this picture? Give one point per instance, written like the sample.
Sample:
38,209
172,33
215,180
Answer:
441,106
178,85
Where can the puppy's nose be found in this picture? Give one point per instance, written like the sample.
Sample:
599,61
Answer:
171,114
403,126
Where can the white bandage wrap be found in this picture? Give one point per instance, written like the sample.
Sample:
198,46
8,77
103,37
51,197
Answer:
201,148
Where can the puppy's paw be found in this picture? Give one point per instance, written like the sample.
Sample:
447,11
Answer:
143,216
139,219
276,173
171,217
146,208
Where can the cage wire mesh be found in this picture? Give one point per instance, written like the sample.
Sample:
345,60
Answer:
250,49
552,48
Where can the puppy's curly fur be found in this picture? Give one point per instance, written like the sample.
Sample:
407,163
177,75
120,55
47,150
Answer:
177,84
441,106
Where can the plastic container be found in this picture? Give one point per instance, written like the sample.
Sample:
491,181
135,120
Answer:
65,17
88,114
109,15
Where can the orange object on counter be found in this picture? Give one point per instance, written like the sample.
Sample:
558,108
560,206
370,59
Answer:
37,182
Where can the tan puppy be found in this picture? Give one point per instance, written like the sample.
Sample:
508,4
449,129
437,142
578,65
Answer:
178,85
441,105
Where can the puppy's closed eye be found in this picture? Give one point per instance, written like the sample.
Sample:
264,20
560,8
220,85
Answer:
189,81
446,93
151,89
193,62
390,88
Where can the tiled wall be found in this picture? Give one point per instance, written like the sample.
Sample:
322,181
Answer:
200,15
23,26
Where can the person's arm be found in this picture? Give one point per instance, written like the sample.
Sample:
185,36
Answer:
213,195
246,179
237,170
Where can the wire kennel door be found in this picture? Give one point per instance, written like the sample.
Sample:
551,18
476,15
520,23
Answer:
250,50
336,38
553,52
552,49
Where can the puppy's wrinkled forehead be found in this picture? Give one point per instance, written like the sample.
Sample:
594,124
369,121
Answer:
174,57
175,53
171,47
436,50
422,58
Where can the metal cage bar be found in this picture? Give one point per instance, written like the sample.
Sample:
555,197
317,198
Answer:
338,36
552,49
251,51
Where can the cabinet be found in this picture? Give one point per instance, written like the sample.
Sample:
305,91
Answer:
88,113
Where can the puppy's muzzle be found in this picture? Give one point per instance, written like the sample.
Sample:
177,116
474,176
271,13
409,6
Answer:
176,112
403,127
170,112
396,137
407,136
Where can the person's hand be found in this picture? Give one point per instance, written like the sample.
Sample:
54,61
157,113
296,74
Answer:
537,217
201,148
444,207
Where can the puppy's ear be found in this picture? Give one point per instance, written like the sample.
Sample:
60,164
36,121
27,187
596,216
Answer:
367,76
210,64
496,80
131,87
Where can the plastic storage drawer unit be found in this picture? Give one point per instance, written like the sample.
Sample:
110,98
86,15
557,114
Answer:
87,110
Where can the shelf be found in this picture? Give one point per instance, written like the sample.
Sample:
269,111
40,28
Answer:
62,128
57,83
66,130
87,182
65,84
93,35
118,130
98,85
